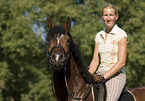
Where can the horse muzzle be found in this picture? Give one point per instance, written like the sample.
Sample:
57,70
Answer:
58,58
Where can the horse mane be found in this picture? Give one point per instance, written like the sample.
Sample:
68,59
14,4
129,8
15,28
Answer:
78,58
75,53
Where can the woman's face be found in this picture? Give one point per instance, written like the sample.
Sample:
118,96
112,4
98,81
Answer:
109,17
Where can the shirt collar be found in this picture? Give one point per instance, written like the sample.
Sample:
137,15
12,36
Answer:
114,30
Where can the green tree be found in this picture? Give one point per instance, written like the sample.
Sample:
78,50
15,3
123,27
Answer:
22,52
132,19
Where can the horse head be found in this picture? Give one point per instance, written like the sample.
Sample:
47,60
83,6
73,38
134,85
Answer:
58,44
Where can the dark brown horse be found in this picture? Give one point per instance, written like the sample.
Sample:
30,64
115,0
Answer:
71,78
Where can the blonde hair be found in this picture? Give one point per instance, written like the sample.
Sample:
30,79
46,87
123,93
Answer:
110,6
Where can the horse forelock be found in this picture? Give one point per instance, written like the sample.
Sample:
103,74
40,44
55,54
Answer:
53,33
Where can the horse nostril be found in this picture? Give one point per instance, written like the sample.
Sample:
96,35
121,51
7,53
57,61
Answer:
61,56
53,57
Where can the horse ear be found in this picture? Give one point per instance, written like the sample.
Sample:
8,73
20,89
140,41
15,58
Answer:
50,23
67,24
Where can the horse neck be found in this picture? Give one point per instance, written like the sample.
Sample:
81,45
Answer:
68,82
74,71
75,82
59,85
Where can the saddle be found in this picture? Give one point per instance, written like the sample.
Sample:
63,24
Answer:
100,93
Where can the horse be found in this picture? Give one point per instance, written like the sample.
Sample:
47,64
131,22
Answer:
70,76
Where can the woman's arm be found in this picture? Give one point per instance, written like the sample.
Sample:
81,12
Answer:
95,61
122,51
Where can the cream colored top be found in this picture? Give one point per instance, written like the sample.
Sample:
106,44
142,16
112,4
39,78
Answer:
108,49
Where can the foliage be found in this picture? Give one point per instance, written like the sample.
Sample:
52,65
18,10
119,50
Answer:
134,25
21,50
24,70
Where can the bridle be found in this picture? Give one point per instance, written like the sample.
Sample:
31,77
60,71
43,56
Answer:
65,55
64,59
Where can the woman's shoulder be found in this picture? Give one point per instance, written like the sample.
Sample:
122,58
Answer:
100,32
121,31
99,35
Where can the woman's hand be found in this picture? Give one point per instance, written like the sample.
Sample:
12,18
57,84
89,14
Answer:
97,78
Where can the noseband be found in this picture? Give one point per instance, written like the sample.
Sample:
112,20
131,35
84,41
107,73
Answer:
65,55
